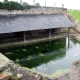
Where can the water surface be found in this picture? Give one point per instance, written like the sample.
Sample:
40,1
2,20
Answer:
46,57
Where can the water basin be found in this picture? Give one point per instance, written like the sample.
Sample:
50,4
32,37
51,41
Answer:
46,57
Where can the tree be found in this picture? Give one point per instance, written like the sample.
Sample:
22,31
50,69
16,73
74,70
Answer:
15,5
25,5
11,5
37,4
5,5
5,0
1,5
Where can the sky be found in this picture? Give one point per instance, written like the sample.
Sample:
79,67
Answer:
70,4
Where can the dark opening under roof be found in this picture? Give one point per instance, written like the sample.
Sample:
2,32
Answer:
9,24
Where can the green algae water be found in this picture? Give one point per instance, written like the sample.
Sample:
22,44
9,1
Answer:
46,57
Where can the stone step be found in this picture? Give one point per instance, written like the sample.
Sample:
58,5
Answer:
4,77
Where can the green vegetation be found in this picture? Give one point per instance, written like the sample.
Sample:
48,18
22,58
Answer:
12,5
59,72
26,5
1,5
6,0
37,4
76,14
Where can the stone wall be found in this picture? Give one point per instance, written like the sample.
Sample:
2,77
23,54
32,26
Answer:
19,73
72,19
64,30
75,71
47,10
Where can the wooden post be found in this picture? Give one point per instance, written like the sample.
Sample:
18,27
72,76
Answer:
68,35
49,33
24,36
68,31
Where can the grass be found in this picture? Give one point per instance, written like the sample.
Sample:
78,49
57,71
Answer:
76,14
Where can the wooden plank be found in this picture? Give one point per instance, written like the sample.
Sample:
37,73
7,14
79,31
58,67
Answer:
24,36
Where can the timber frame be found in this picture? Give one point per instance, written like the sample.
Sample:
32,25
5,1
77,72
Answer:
28,35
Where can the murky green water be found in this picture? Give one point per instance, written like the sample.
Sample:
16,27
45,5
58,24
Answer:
46,57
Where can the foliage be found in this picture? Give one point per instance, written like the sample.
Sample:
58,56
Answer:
76,14
25,5
33,6
5,0
6,5
37,4
11,5
1,5
15,6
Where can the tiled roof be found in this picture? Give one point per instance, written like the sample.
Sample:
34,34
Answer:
17,23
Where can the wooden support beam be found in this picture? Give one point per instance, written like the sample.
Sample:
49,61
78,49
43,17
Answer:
49,33
68,36
24,36
68,31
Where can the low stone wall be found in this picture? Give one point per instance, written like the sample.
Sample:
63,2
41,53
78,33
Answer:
75,71
4,65
47,10
72,19
3,62
20,73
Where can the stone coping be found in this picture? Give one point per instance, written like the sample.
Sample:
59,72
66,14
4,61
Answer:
26,74
47,10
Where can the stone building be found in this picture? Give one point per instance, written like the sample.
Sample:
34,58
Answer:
31,26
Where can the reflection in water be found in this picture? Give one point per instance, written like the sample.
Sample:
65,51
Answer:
41,59
47,57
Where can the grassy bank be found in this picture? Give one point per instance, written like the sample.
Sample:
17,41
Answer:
76,14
